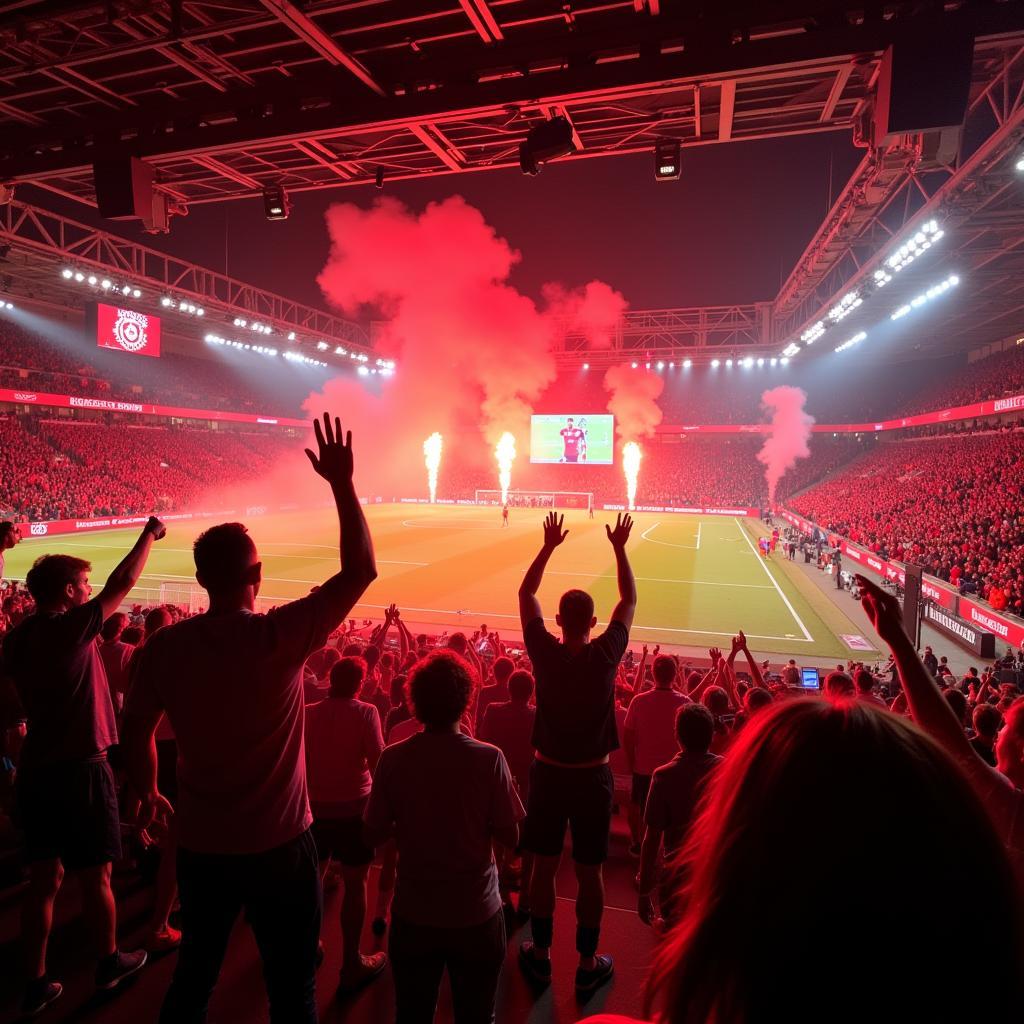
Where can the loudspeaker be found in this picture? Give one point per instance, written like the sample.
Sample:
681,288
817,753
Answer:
124,188
912,602
923,84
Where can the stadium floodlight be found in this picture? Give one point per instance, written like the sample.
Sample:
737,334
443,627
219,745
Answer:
791,350
728,362
291,335
667,164
648,366
547,141
844,307
687,363
136,293
79,276
275,202
1020,164
322,346
932,293
586,366
67,273
773,361
715,364
813,333
93,280
784,360
850,342
363,371
338,350
922,240
106,284
760,362
661,365
671,366
200,311
633,365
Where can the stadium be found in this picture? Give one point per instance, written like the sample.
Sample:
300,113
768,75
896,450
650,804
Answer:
752,384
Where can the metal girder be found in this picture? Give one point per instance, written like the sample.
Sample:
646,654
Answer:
42,242
979,202
275,93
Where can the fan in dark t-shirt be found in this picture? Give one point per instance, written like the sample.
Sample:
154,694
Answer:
574,732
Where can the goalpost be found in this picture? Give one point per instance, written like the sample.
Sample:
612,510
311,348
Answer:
184,595
538,499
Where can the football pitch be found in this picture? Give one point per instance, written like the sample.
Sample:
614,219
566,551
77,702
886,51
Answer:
699,579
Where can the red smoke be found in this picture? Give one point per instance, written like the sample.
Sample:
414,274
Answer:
789,436
633,401
593,311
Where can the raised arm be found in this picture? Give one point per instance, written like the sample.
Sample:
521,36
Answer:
404,637
755,670
638,676
380,634
333,461
128,571
529,606
929,708
626,607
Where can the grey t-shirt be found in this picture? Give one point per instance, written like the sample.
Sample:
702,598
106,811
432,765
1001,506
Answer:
444,794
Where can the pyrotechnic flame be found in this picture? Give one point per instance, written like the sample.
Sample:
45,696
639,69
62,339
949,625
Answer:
432,451
505,453
631,456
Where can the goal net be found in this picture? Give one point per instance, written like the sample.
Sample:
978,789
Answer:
184,595
538,499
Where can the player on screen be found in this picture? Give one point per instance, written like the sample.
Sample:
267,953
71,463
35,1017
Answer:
504,515
572,437
583,440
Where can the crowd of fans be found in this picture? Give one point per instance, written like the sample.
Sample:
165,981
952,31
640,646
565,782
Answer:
255,751
953,505
64,469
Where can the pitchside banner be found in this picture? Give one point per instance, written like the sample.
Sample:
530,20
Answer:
126,330
980,641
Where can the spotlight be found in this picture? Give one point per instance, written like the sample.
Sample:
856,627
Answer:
715,364
687,363
106,284
92,279
363,371
784,360
136,293
67,273
633,365
79,276
774,361
671,366
291,335
850,342
791,349
200,311
275,202
728,362
126,290
586,366
667,165
1020,164
322,346
749,362
547,141
760,362
661,366
647,366
338,351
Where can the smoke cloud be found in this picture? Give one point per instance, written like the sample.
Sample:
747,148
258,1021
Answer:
593,311
790,433
634,400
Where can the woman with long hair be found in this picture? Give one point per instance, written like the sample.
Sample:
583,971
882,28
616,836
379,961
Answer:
841,869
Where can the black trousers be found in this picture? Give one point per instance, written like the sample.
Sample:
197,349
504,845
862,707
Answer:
279,892
473,956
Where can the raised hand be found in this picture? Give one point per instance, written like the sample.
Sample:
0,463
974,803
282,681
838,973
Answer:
553,532
883,609
156,528
623,525
333,460
716,656
738,643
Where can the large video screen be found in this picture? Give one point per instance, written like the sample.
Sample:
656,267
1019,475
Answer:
584,438
127,330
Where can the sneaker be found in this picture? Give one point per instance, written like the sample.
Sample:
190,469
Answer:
39,995
536,969
370,967
163,941
113,969
379,925
588,981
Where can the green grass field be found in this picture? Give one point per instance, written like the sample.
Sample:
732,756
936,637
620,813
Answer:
699,579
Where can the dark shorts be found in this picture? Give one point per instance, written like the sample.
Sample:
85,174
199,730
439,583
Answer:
342,839
639,790
580,798
69,812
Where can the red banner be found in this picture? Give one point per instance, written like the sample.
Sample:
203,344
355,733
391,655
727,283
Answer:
1005,628
694,510
992,407
126,330
26,397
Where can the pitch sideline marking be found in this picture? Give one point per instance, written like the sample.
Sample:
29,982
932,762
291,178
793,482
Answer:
775,582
